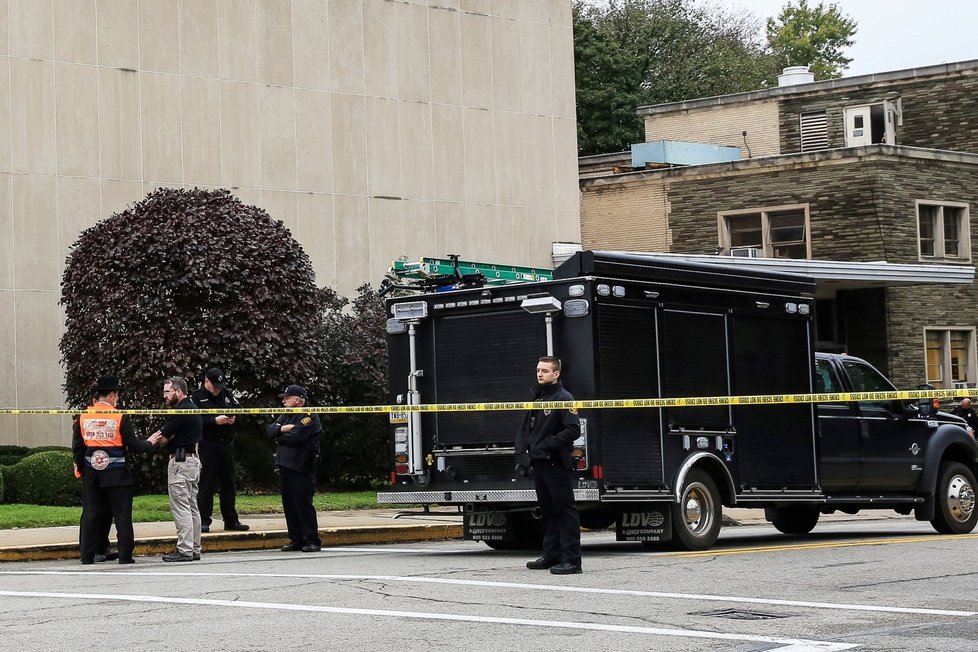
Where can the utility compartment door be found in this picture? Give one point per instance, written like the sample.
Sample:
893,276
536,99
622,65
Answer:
484,357
694,363
775,443
631,442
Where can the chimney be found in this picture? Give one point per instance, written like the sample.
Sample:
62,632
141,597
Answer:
795,75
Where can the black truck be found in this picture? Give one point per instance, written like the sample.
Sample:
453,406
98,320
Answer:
645,326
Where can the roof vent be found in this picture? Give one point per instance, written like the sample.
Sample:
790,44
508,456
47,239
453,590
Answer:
795,75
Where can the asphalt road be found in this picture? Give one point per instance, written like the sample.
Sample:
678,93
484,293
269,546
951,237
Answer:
867,585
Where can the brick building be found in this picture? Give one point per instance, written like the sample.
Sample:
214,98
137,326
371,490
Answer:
866,183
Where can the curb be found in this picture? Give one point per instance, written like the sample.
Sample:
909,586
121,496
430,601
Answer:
268,540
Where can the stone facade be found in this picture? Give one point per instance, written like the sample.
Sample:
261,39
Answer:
862,208
938,111
372,128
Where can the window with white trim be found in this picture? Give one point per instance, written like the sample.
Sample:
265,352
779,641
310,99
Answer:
950,355
780,232
943,231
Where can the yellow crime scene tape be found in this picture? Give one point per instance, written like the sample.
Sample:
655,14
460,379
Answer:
601,404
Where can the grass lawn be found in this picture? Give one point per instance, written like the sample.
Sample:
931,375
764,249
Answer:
157,508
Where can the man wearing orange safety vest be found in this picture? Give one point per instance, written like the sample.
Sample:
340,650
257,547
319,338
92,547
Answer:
99,444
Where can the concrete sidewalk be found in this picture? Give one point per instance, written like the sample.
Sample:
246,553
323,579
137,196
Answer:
268,532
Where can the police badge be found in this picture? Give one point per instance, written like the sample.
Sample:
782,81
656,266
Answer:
307,421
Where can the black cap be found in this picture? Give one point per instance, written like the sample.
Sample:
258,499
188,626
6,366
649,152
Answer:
108,384
294,390
216,376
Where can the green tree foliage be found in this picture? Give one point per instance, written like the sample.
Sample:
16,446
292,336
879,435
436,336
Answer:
355,448
182,281
812,36
631,53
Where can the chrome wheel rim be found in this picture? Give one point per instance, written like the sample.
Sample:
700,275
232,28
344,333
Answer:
960,498
698,511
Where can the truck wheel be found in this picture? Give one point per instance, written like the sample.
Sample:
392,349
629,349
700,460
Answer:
797,519
696,517
955,511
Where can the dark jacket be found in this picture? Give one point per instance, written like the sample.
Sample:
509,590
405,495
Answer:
549,434
298,448
968,414
183,430
116,476
207,401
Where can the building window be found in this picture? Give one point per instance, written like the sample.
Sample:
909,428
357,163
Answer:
780,232
943,231
950,357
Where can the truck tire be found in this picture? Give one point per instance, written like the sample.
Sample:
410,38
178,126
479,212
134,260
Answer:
955,511
797,519
697,516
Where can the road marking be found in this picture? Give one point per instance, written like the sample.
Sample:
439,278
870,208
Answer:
788,644
817,546
526,586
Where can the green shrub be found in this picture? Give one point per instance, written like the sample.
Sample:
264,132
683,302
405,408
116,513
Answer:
45,478
10,454
1,484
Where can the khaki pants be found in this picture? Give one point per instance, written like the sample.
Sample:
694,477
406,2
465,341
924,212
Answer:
182,479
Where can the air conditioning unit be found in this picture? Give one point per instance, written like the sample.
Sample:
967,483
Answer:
747,252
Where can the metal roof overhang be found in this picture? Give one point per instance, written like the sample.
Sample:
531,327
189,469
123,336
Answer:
833,275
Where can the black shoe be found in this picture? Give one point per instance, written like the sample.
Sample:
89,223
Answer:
176,555
311,547
237,527
291,547
86,562
206,528
540,564
127,561
196,556
566,568
100,558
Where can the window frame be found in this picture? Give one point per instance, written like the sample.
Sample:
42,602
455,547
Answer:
964,231
947,380
767,247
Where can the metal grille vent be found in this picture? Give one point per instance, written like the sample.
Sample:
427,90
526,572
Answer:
814,131
493,465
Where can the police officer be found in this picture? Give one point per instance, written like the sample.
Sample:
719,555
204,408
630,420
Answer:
548,436
967,412
297,437
216,452
99,444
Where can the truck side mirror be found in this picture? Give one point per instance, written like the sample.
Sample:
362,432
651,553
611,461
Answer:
927,406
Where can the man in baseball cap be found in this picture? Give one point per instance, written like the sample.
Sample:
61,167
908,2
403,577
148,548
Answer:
217,452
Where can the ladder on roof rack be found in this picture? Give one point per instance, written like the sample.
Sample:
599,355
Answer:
445,274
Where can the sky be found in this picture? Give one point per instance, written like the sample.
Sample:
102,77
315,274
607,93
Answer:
895,34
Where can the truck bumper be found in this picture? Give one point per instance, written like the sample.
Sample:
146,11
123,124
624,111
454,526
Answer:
469,496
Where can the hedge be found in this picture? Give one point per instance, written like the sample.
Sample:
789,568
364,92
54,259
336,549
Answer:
45,478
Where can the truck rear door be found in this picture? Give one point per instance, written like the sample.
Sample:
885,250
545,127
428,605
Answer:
839,434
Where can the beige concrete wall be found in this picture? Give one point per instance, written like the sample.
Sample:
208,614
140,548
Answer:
722,125
371,128
632,216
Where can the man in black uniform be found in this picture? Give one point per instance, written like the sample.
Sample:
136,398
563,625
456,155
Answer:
217,452
297,436
180,434
99,443
548,436
966,412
